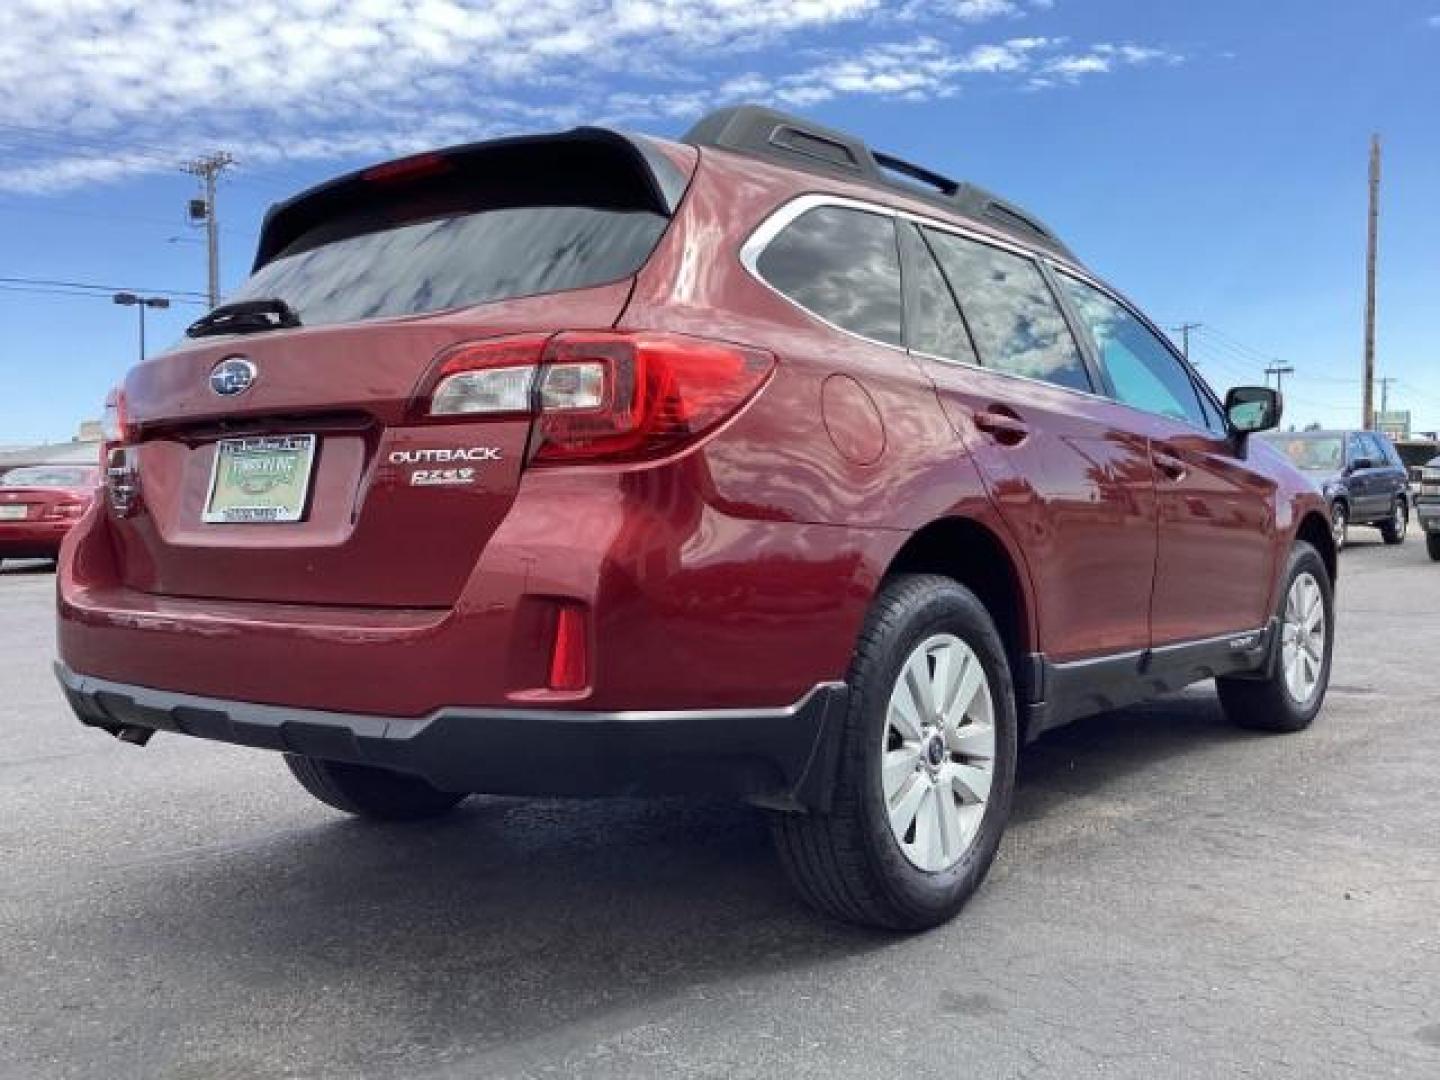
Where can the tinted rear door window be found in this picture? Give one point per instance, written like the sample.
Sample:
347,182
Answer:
933,325
1016,323
842,265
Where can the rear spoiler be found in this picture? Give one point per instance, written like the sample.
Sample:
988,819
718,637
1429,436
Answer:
619,169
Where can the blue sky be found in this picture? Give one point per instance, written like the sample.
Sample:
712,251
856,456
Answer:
1208,158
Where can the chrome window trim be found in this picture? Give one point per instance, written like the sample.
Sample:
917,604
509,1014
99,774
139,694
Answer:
776,222
779,220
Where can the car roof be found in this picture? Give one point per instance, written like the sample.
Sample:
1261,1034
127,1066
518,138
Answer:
805,146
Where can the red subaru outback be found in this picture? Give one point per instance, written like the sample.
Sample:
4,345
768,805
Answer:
756,463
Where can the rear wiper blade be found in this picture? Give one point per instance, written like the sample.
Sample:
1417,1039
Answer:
245,317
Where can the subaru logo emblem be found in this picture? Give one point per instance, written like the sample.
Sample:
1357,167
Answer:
232,376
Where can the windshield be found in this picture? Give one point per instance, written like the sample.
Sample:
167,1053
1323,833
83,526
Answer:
49,476
1317,452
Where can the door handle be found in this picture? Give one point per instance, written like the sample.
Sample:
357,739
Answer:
1171,466
1002,427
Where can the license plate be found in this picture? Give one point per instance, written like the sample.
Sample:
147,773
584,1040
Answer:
14,512
261,479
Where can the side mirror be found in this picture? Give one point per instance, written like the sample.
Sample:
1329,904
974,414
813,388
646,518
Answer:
1249,409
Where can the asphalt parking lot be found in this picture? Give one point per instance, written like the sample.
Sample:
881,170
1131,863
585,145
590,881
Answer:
1175,899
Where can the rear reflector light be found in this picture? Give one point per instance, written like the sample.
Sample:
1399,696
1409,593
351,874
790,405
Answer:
65,511
600,396
569,659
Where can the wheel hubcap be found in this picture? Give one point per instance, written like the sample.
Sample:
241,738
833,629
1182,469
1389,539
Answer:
1302,631
938,752
1399,519
1337,522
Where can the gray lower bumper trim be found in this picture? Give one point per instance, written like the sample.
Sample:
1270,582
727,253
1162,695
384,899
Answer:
778,756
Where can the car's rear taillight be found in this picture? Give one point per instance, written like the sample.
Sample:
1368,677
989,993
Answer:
114,425
599,395
64,511
122,479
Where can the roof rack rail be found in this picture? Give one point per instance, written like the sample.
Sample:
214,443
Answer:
804,144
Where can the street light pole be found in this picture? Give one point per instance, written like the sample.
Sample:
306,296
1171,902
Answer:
129,299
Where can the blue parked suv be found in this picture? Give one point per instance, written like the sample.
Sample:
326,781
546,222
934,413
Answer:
1361,474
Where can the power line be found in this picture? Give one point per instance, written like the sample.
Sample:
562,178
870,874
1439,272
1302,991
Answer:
96,286
76,294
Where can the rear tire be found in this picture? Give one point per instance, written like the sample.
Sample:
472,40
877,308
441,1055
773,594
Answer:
369,792
1432,545
1290,695
1393,531
926,638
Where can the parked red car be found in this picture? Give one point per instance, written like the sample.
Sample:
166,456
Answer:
39,504
757,463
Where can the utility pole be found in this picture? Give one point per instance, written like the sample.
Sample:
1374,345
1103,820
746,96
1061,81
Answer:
1184,331
1368,420
1279,371
1385,392
207,168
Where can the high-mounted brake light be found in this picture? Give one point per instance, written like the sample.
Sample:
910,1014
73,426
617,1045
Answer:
410,168
601,395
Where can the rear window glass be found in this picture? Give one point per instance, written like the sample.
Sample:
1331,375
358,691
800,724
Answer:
844,266
49,476
457,260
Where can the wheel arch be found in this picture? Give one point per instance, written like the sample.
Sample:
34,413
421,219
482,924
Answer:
1315,530
977,557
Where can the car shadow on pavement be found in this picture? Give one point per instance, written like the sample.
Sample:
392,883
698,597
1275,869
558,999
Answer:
512,918
1097,752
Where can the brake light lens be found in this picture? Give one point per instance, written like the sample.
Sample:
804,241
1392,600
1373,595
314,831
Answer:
66,511
629,397
600,395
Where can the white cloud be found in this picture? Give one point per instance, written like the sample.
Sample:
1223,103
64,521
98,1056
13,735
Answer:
340,79
1100,59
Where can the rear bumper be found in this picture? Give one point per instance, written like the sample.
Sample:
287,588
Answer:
32,539
1427,512
781,757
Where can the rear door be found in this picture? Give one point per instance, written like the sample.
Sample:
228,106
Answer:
388,271
1074,485
1365,481
1215,559
1391,480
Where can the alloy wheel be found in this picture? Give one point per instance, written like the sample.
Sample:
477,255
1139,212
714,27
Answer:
1339,524
938,752
1302,649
